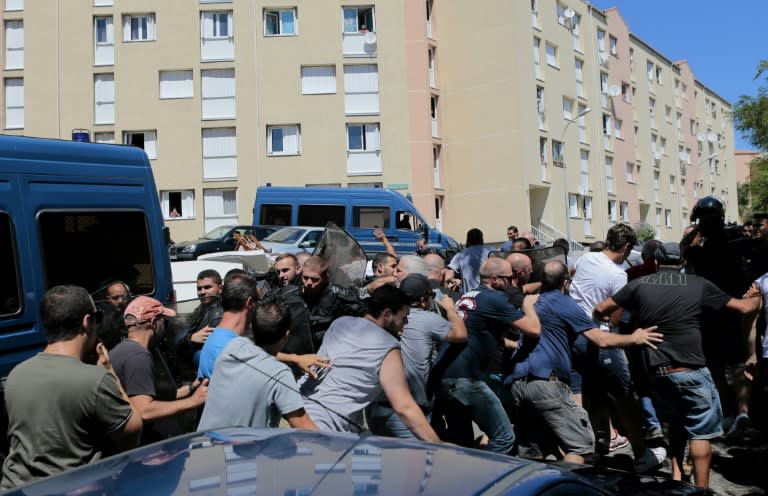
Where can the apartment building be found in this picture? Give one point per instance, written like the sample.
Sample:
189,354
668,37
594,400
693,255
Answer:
552,115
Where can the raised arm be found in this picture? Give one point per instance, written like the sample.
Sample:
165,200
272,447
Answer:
379,234
458,332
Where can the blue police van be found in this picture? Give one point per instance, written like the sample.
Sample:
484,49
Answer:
73,213
358,210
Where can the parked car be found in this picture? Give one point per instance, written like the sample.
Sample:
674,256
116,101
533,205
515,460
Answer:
220,239
293,462
295,239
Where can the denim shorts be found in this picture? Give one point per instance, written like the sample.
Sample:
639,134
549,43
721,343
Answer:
689,399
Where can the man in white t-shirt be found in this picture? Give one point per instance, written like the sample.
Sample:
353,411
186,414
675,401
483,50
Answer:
468,261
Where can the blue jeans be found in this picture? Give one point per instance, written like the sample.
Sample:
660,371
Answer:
689,399
484,407
383,421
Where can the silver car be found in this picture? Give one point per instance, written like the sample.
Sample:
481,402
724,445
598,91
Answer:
295,239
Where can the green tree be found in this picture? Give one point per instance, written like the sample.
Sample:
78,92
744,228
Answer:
750,116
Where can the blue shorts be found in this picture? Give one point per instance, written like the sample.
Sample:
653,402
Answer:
689,399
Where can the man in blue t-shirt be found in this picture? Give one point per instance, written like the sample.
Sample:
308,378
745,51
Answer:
459,370
539,381
237,300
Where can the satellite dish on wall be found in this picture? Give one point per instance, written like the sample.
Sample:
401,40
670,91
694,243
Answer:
711,137
700,137
569,13
370,39
614,90
604,59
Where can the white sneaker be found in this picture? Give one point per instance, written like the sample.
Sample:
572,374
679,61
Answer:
652,458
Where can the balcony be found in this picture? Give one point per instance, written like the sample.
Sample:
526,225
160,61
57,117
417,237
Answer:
360,44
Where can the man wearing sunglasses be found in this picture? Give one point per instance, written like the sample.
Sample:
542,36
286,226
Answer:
62,412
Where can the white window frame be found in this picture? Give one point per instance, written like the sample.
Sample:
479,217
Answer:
150,141
568,108
14,5
658,217
617,125
624,211
107,137
541,107
187,204
218,205
551,55
218,87
609,175
146,34
579,70
326,79
104,51
672,181
668,218
286,131
368,131
104,98
584,170
630,172
347,27
277,14
361,89
613,214
219,145
14,44
213,44
14,103
176,84
537,57
573,206
558,151
103,3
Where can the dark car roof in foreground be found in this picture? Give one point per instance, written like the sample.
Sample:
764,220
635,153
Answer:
291,462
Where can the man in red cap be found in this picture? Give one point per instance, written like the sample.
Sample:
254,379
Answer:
136,361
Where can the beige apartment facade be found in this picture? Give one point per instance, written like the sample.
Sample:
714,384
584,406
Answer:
553,115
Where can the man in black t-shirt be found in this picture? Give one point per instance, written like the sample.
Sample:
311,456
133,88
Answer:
687,397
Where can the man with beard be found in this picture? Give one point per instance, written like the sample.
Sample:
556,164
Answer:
365,362
203,319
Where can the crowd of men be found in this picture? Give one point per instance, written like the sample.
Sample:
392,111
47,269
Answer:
546,356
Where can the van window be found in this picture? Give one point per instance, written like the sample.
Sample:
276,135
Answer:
92,248
407,221
320,215
275,215
370,217
10,289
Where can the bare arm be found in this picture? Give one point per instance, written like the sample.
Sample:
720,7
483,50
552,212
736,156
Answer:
379,234
392,378
604,310
305,362
300,419
458,332
744,306
151,409
529,325
641,336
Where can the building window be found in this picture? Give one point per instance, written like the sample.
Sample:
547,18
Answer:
12,5
14,45
535,13
617,124
146,140
540,107
658,218
573,206
656,186
430,6
668,218
361,89
363,149
359,19
567,108
613,215
318,80
280,22
220,208
624,211
557,152
579,78
584,170
583,138
431,67
219,154
178,204
672,180
551,54
104,94
601,40
604,89
626,93
543,159
102,3
433,102
175,84
106,138
14,103
217,41
218,94
436,166
104,41
609,174
612,44
139,27
630,172
659,77
537,57
283,140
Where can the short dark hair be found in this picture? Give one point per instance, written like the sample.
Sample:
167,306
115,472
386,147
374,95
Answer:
562,243
513,228
474,237
234,273
387,297
649,249
271,321
554,275
381,259
210,274
237,290
527,242
62,310
597,246
620,235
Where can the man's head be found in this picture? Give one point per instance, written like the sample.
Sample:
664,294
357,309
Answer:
314,275
649,249
209,286
384,265
410,264
144,310
118,294
512,233
239,294
522,267
421,246
287,268
668,254
747,229
530,237
435,267
620,239
67,312
555,276
521,244
418,290
496,273
761,226
474,237
270,322
562,243
389,307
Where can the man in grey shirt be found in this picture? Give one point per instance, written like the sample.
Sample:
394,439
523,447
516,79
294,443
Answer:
423,330
250,387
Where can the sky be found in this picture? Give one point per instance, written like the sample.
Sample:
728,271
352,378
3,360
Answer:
723,41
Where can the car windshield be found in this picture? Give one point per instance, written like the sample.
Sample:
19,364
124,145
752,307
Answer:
217,233
286,235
